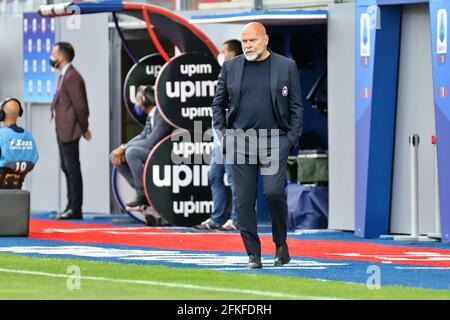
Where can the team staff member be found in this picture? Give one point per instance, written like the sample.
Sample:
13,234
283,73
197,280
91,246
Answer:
18,149
71,112
262,91
218,220
129,159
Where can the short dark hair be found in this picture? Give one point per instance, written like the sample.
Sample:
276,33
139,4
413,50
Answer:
234,46
67,50
148,96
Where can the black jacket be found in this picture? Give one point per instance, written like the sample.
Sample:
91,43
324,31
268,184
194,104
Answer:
285,91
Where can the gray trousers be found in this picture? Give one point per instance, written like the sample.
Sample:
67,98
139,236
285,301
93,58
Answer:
133,168
245,177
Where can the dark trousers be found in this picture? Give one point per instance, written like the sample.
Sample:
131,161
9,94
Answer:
245,177
133,169
219,193
70,164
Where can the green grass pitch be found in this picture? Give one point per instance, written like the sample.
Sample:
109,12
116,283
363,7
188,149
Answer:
24,277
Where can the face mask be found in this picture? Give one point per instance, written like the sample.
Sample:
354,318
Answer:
54,63
138,110
221,59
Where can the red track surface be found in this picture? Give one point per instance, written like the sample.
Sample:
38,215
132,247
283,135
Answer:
170,239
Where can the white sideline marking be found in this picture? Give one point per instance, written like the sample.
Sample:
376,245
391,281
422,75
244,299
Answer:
141,231
81,230
417,256
158,256
272,268
172,285
165,233
423,268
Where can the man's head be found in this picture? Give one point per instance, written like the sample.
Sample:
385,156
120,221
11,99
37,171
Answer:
254,41
145,100
230,49
10,110
62,54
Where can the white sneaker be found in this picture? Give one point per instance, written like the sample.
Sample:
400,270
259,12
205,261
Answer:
229,226
208,224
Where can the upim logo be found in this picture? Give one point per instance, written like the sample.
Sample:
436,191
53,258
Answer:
187,149
187,208
191,69
181,176
153,70
192,112
189,89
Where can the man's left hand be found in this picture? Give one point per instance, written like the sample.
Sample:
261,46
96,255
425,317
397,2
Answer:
87,135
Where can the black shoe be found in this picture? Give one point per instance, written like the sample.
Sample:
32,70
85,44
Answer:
281,255
66,209
254,261
54,216
163,223
69,215
156,222
138,202
150,221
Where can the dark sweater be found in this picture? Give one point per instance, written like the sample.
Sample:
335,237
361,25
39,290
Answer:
255,109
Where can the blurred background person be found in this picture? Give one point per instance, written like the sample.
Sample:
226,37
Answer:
18,149
219,217
130,158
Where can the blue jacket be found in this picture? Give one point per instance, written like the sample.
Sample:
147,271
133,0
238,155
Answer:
17,145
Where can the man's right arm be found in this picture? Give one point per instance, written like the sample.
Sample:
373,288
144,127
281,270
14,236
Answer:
221,101
118,155
140,137
78,96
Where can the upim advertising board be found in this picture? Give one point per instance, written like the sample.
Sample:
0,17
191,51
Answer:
185,89
176,178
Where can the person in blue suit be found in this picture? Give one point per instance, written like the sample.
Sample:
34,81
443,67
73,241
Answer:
18,149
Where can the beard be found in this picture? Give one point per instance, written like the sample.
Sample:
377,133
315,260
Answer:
254,55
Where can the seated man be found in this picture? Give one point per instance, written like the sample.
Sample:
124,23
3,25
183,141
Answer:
130,158
18,150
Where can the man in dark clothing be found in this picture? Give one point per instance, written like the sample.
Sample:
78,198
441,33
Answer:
262,91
